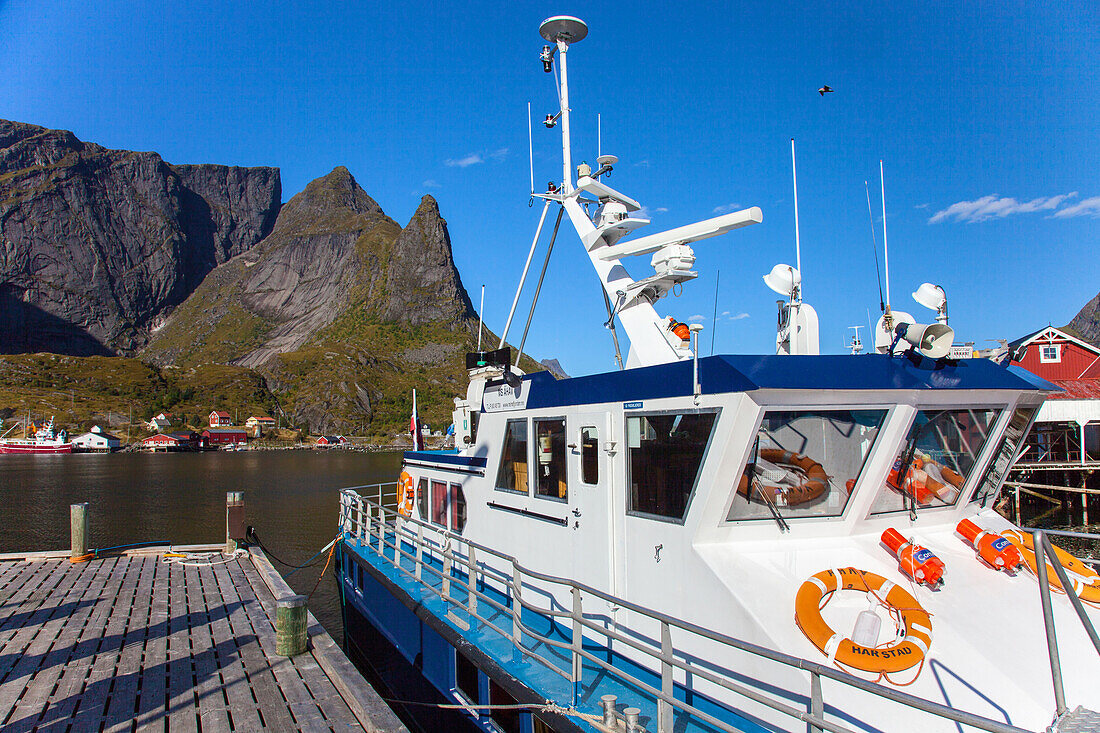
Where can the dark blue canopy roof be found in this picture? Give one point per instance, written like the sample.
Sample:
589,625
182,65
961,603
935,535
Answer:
745,373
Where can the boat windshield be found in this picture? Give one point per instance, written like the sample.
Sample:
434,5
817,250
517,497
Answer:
804,463
937,457
1005,454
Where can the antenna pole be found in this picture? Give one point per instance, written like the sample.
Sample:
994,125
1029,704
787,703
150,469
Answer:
714,318
523,277
530,148
480,317
797,244
599,136
567,157
885,247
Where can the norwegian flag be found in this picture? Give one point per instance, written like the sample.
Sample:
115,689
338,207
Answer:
414,427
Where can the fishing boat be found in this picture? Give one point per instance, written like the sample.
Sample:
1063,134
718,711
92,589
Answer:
772,542
46,440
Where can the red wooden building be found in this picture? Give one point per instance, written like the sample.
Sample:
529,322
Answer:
218,437
1054,355
220,419
330,441
170,442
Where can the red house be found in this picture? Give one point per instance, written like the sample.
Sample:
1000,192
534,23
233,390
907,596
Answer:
213,438
1054,355
170,442
330,441
220,419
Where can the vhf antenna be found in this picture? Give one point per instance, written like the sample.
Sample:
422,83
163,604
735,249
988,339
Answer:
561,30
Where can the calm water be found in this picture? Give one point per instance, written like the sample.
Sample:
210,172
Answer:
291,497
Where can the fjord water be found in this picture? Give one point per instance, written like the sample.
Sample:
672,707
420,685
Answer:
291,498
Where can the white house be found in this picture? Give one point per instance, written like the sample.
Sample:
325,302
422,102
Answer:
96,441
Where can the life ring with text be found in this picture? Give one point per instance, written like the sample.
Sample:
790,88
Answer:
814,485
406,494
1087,583
905,651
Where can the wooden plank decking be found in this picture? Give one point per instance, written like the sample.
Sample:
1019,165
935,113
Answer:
144,642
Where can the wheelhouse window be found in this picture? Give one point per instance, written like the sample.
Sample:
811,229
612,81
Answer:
550,450
439,503
458,508
422,498
665,455
1005,455
804,463
938,455
512,475
590,456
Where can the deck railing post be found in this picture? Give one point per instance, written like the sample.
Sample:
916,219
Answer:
578,641
1048,621
448,563
817,704
359,519
471,583
664,708
517,614
419,552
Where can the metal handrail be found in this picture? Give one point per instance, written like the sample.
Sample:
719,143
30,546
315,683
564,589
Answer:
664,654
1043,548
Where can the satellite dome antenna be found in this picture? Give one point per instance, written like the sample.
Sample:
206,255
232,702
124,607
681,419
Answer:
562,30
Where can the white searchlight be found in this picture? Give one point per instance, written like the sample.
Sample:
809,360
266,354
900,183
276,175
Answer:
784,280
933,297
933,341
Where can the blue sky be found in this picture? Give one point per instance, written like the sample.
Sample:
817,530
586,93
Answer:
985,115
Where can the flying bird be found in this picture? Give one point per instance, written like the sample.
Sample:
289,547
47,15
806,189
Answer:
825,90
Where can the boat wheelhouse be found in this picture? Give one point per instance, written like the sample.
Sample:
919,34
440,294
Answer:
697,544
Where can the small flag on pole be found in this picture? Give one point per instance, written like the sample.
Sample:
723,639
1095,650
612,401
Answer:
414,427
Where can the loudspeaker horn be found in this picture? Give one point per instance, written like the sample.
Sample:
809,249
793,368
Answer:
934,341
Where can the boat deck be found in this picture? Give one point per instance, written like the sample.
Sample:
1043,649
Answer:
146,642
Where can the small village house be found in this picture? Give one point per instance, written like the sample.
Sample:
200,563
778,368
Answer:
331,441
160,423
96,441
221,419
258,425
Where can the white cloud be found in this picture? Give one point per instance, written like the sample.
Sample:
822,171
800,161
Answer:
1086,207
642,164
739,316
995,206
727,208
471,159
499,154
431,183
661,210
922,206
697,318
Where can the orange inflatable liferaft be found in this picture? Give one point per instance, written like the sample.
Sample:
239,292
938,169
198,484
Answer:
812,487
908,650
1086,584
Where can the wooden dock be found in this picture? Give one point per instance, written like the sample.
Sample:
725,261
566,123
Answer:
146,642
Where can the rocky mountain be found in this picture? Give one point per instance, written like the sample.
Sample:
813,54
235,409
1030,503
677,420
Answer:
98,245
341,309
1086,324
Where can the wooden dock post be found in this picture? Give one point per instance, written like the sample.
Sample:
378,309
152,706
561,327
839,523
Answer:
78,526
290,626
234,520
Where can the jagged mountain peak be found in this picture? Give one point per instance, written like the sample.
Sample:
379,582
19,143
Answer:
1086,324
335,193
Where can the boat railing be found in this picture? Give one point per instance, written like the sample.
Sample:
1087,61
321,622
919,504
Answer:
1043,550
444,556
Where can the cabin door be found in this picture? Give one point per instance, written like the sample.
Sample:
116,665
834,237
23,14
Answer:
590,517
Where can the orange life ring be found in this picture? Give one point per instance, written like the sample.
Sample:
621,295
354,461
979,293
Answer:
1086,585
406,494
813,487
900,654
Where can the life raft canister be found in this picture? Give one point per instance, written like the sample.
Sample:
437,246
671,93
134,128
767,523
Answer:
1087,583
406,494
811,488
904,652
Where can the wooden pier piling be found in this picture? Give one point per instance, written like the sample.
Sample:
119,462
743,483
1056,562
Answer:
290,626
78,523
